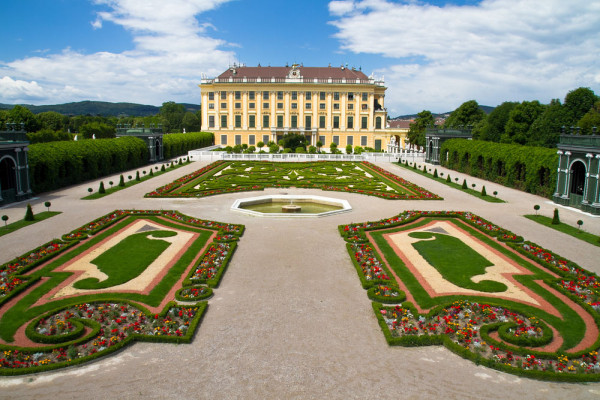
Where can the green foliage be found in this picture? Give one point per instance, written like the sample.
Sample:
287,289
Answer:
273,148
162,168
137,176
101,188
578,102
177,144
464,184
190,122
121,181
349,149
293,141
53,121
468,114
58,164
556,218
416,132
590,119
532,169
435,174
172,115
47,135
545,130
483,192
20,114
493,126
29,214
97,130
448,179
520,119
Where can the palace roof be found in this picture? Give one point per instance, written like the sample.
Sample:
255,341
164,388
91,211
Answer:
284,72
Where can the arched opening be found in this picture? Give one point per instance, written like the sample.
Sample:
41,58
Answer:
577,178
8,179
430,150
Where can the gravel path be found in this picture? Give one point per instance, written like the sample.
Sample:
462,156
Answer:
290,319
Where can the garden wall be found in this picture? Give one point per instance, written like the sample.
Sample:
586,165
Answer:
527,168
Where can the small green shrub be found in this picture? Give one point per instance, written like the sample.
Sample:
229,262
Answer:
101,188
464,184
122,181
29,213
555,218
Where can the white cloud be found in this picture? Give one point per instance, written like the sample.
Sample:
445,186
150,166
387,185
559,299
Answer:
171,50
496,51
341,7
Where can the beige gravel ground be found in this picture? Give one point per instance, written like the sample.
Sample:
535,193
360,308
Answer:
290,319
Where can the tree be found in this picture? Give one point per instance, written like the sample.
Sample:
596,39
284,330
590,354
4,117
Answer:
579,223
190,122
468,114
260,145
590,119
556,218
493,126
293,141
319,145
97,130
5,218
349,149
545,130
416,131
53,121
171,115
47,205
520,120
121,181
578,102
29,214
101,188
536,208
333,148
20,114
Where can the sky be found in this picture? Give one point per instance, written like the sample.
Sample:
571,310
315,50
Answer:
432,55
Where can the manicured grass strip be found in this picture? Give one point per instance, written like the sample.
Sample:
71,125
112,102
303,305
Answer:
564,228
133,181
453,185
9,228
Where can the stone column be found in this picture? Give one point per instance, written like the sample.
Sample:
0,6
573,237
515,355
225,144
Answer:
567,176
560,153
589,157
596,199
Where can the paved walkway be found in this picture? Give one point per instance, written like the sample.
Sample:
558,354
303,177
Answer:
290,319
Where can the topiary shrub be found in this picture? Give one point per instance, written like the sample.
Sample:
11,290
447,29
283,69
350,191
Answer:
435,174
555,218
464,185
29,214
448,179
101,188
483,193
122,181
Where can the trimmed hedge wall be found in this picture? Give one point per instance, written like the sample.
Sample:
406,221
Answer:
527,168
57,164
177,144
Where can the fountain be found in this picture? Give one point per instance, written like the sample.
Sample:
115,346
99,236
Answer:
291,206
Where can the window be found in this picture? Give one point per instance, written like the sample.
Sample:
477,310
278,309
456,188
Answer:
294,106
251,95
378,123
252,121
223,105
211,121
251,140
238,121
350,96
223,121
238,139
238,106
265,123
223,139
350,140
307,121
223,95
265,105
321,106
321,121
308,106
336,122
363,122
294,95
280,106
280,121
363,141
350,106
265,139
365,96
251,106
294,121
308,95
238,95
265,95
322,140
336,140
364,106
336,106
350,124
336,95
211,95
211,106
279,95
321,95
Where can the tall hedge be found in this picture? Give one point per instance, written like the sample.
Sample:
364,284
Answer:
527,168
177,144
57,164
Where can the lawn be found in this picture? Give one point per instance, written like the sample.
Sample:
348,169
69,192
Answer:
8,228
578,233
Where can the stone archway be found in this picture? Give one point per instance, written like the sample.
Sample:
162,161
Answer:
578,172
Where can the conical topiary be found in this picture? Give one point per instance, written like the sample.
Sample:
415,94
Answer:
555,218
483,193
464,185
137,175
101,188
448,178
29,214
162,168
435,175
122,181
151,172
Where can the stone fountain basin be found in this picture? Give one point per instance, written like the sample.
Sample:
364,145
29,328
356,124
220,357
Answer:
297,200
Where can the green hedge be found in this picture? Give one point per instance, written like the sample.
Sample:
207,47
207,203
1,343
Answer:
177,144
532,169
57,164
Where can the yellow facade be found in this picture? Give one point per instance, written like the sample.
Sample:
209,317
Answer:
247,105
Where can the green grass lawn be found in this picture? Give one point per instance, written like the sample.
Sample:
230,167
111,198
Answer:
488,197
564,228
5,230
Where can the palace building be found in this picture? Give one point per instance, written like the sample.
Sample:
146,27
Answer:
247,105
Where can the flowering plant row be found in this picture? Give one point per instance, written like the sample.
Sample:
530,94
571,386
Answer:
491,334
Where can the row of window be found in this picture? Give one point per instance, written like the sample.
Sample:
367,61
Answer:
267,138
293,121
252,95
294,106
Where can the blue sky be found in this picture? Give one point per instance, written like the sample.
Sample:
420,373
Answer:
433,54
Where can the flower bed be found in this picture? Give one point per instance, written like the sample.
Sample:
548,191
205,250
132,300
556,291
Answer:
486,328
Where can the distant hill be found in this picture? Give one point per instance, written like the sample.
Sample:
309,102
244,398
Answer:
99,108
486,109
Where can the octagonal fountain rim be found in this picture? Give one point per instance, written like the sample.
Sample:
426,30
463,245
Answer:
238,203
